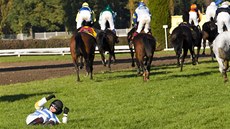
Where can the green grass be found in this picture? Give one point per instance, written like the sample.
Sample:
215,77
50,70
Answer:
196,98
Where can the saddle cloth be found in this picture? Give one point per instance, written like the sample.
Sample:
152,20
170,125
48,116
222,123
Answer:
88,30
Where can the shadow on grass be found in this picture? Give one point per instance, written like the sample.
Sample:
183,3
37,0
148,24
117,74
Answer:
194,75
12,98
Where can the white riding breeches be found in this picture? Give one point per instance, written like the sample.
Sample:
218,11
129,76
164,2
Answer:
210,12
106,16
144,21
84,15
223,18
193,17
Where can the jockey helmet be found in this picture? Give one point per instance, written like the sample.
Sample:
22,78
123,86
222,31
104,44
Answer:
193,7
226,3
108,7
85,4
141,4
58,105
213,4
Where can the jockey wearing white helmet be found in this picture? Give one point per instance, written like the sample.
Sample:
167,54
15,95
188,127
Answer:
211,11
85,14
142,17
223,17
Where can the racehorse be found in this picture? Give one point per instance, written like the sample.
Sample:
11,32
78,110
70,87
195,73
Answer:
129,38
221,48
144,45
209,32
106,41
82,45
197,39
181,39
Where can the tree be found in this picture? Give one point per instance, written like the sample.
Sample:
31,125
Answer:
5,7
160,10
27,15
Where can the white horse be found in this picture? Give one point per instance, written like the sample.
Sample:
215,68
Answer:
221,49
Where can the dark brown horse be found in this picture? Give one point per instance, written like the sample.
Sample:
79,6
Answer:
129,38
144,45
197,39
209,30
181,40
82,45
106,41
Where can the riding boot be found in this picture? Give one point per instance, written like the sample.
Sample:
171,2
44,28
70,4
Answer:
135,34
114,31
37,121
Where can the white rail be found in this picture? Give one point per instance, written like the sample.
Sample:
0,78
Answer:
51,51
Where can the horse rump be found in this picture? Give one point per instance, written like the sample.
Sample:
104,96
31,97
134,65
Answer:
144,45
221,49
83,45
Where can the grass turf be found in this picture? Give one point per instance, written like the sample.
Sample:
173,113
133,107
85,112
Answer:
194,98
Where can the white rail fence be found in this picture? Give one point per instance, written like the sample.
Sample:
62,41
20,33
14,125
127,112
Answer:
51,51
48,35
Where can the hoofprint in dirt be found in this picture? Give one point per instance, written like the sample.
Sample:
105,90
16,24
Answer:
11,73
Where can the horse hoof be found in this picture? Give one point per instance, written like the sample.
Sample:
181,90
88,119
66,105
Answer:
225,80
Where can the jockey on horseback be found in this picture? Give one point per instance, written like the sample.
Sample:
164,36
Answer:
223,17
107,15
141,18
85,14
194,15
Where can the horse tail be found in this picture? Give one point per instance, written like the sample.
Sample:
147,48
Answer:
149,45
78,40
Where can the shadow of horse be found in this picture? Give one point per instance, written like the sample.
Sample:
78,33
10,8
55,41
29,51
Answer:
144,46
209,32
106,41
82,45
181,39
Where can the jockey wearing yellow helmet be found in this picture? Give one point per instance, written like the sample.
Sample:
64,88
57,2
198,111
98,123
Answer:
85,14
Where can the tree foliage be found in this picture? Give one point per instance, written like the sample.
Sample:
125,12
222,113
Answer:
160,11
26,14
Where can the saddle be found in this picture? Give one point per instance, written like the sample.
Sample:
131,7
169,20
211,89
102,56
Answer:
88,30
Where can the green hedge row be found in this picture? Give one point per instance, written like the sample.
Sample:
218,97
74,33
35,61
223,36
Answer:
51,43
21,44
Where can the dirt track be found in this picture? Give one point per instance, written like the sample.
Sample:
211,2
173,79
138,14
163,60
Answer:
11,73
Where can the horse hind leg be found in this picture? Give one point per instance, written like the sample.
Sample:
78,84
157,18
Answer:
132,55
75,62
226,65
183,58
109,61
148,66
103,58
81,62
